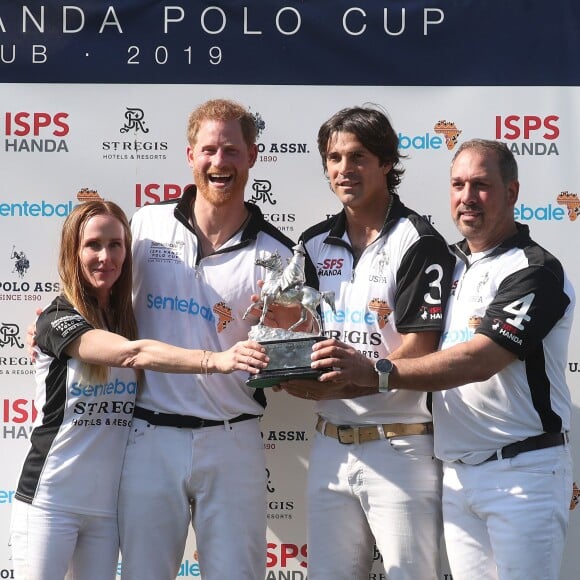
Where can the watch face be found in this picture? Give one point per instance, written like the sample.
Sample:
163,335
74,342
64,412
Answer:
384,365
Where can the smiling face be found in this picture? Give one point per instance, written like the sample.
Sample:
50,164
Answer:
482,205
221,160
356,175
102,252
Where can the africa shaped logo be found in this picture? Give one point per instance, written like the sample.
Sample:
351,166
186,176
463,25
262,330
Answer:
224,314
382,309
474,321
572,203
449,131
86,194
21,263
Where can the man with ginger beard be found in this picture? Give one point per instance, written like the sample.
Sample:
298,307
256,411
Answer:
195,453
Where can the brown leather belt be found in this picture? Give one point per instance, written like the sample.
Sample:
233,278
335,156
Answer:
347,434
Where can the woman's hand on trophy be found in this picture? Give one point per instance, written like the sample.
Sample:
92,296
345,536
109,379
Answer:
246,355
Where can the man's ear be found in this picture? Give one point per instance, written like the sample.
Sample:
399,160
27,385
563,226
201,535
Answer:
513,191
253,155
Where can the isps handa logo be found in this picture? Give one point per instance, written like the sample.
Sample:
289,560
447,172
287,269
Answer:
135,141
36,132
529,134
507,330
16,418
286,556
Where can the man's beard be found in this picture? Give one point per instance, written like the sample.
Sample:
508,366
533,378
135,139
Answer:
221,196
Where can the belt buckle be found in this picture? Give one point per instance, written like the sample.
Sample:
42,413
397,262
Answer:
339,431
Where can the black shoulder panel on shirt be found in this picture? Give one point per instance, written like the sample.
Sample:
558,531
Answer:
326,225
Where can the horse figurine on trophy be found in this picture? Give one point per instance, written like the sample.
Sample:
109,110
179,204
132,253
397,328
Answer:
289,350
285,285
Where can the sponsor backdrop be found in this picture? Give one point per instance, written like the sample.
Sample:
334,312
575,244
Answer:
96,95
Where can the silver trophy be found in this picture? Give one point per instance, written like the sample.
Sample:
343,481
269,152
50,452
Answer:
289,350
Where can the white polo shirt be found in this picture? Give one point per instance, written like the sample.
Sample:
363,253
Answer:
519,296
78,441
399,284
198,303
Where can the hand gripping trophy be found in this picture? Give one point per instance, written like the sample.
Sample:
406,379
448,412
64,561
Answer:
289,351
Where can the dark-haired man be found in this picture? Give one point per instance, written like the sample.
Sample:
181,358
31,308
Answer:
372,474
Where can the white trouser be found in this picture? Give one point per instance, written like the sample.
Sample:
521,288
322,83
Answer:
385,491
215,477
46,543
507,519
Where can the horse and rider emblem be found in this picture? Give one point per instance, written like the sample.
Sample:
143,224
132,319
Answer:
289,350
21,263
286,285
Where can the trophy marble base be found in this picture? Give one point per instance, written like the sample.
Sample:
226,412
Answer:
289,360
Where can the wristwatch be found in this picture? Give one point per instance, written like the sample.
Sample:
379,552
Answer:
384,367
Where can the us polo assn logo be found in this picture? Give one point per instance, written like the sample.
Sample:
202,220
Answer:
572,203
380,263
382,310
449,131
260,124
21,263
